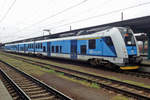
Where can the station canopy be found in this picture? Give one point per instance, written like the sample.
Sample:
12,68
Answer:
138,25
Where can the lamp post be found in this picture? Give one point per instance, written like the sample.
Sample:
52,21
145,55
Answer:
47,30
70,28
121,16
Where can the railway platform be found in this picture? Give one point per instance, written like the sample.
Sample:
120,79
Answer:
146,62
4,95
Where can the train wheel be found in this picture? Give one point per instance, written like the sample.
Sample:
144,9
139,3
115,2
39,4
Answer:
95,62
92,62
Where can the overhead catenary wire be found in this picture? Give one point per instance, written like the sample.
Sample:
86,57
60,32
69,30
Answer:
86,11
5,15
51,16
2,4
69,8
58,22
84,19
104,14
107,13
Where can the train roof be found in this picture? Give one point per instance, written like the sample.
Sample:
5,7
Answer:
77,32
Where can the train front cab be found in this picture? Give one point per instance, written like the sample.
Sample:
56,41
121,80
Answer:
132,50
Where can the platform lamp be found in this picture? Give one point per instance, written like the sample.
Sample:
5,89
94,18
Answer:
121,16
47,30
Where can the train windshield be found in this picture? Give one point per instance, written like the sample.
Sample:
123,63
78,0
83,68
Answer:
128,37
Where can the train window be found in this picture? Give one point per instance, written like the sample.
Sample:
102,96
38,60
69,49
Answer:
60,49
127,35
38,45
108,41
31,45
21,48
92,44
44,49
83,49
129,40
52,49
57,49
41,46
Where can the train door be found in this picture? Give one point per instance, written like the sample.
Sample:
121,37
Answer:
18,48
101,47
48,49
24,48
34,47
73,49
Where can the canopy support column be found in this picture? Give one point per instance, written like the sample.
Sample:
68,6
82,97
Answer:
148,35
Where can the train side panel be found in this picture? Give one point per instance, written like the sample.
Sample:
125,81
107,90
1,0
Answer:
30,48
106,46
60,48
21,48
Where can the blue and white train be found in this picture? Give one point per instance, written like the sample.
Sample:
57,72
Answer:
113,45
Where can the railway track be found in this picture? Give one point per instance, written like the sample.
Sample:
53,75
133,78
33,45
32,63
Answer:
137,74
15,92
132,73
22,86
124,88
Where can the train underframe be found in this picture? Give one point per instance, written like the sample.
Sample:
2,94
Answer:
130,63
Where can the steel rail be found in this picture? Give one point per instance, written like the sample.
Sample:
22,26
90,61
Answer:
21,93
137,74
98,77
40,83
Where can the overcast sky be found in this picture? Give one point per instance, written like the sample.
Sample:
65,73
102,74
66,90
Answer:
27,18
